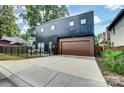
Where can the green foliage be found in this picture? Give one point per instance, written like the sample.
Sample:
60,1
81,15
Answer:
96,40
111,54
8,24
38,14
119,68
25,36
114,60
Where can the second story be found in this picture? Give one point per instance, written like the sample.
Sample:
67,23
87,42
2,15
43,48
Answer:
116,29
76,25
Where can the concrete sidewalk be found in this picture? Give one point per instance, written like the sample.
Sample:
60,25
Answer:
53,71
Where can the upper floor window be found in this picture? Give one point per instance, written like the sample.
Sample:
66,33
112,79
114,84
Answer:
113,30
71,23
41,29
52,27
83,21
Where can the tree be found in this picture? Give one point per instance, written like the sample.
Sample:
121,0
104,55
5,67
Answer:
8,24
25,36
36,15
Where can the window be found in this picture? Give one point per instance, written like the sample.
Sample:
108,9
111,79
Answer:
71,23
41,47
83,21
50,45
41,29
52,27
113,30
112,44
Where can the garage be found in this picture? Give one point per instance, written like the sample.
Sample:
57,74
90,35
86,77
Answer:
82,46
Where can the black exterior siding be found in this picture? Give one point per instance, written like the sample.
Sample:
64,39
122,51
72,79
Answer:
62,29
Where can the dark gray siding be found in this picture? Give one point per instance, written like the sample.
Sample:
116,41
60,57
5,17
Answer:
62,29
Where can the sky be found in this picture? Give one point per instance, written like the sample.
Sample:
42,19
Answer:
103,15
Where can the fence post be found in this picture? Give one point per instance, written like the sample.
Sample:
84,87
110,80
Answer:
40,51
17,50
1,49
22,50
31,50
26,51
11,50
6,49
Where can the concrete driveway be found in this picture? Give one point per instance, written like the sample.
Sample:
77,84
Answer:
53,71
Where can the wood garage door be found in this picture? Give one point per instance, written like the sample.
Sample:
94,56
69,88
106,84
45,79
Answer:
83,46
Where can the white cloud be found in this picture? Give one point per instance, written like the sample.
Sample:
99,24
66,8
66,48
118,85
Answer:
23,32
114,7
106,25
25,27
16,15
23,7
96,20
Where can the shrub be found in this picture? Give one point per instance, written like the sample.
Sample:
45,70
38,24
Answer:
119,68
114,60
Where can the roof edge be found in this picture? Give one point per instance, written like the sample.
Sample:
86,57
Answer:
115,19
87,11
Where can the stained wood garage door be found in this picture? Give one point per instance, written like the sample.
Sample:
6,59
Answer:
83,46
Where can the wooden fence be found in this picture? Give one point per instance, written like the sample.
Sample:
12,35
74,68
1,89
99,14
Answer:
116,48
17,50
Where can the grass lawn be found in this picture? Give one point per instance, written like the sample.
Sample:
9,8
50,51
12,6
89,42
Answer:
4,57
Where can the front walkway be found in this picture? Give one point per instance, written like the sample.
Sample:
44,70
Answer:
53,71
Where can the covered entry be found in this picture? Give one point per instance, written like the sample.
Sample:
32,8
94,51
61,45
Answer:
82,46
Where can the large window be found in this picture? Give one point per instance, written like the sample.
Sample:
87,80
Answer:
41,46
50,47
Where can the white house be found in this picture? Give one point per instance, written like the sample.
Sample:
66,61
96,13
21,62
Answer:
116,29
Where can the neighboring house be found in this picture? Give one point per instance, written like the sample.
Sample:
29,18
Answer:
104,38
116,29
11,41
31,41
72,35
100,39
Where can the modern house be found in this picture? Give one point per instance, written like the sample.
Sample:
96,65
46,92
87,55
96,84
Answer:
72,35
6,41
116,29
